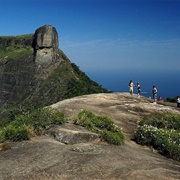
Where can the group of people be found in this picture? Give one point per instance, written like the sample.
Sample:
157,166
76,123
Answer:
154,92
131,86
138,86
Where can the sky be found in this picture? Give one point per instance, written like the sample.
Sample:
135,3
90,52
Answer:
104,34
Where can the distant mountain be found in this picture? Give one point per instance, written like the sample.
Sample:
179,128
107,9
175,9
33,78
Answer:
35,72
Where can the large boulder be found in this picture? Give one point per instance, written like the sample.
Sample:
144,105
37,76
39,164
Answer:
45,45
72,134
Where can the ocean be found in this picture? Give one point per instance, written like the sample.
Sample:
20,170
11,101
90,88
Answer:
167,82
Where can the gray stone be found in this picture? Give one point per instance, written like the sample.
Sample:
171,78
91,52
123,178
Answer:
45,158
45,44
45,37
71,136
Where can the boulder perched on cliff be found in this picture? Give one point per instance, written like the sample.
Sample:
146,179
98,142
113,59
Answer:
45,44
45,37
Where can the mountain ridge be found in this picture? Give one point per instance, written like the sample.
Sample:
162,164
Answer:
35,72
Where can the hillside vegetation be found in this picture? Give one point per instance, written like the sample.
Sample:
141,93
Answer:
15,47
23,88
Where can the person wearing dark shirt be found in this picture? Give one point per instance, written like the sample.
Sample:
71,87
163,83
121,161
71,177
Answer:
154,92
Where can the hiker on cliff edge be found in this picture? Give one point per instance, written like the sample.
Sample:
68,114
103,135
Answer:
154,92
138,86
178,101
131,85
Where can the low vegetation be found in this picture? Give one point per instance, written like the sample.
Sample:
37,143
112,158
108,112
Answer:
66,81
22,89
162,132
15,47
100,124
173,100
30,124
26,125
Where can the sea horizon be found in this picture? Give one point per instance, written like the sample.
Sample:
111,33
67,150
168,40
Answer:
117,81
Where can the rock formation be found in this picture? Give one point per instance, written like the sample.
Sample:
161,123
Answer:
72,152
33,68
45,45
20,65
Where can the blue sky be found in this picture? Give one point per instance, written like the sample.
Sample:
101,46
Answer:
104,34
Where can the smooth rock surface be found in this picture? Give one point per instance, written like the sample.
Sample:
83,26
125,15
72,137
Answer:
44,158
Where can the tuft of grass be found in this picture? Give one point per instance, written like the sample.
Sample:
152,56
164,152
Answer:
13,133
102,125
113,137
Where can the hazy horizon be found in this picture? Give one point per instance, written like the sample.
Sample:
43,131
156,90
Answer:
117,81
104,34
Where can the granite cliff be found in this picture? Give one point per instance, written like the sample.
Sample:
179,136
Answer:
34,71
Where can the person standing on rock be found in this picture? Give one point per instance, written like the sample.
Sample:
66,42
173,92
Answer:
154,92
178,101
138,86
131,85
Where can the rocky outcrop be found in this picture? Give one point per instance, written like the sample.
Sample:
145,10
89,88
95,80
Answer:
45,45
33,68
72,134
66,153
125,109
19,66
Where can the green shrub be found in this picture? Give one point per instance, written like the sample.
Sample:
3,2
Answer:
145,135
161,132
173,100
22,120
2,138
43,118
85,119
103,122
116,138
16,133
168,121
37,121
102,125
4,122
